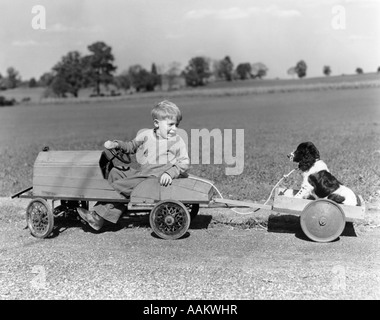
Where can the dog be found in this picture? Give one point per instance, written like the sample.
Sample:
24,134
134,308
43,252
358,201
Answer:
318,182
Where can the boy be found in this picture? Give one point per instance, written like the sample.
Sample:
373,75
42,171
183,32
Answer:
160,151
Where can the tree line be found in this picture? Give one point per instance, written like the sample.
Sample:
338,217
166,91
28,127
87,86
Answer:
97,69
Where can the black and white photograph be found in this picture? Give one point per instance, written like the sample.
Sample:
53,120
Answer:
189,157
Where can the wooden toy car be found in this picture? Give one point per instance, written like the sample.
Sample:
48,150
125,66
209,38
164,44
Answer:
77,177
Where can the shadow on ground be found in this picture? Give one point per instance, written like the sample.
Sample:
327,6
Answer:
291,224
126,221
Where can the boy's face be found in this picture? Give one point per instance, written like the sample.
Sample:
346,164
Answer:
166,128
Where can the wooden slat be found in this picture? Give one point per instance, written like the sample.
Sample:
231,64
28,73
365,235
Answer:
242,204
68,171
64,192
65,157
89,183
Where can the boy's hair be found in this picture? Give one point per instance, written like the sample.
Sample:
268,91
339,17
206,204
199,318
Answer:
166,110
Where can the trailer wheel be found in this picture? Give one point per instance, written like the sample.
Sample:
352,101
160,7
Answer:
193,209
169,219
40,218
323,220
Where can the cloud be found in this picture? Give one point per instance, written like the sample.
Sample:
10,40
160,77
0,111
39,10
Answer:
199,14
58,28
282,13
235,13
24,43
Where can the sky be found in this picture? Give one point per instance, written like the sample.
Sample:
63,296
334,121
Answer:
341,34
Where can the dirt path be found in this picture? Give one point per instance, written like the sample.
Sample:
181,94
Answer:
217,259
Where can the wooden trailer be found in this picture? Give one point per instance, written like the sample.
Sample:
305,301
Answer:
74,178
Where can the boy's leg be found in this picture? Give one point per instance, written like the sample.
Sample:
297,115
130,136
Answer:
126,186
102,211
93,220
109,211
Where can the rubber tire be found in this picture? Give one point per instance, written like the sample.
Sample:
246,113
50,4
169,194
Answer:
46,218
323,220
159,221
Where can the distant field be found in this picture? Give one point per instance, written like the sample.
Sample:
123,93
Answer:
344,124
219,88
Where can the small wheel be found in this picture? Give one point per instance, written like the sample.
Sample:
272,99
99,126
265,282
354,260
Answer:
40,218
169,219
323,220
193,209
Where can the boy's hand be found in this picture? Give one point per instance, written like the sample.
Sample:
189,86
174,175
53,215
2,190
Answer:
166,179
110,144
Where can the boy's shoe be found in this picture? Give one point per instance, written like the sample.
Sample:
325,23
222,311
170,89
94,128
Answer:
91,217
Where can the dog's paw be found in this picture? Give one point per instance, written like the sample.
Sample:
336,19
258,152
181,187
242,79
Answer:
287,193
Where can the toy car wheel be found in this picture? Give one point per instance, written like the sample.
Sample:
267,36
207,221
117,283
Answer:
323,220
40,218
193,209
169,219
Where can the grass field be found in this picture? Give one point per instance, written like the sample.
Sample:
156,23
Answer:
344,124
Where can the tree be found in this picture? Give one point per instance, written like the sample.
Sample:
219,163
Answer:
32,83
197,72
59,86
68,74
141,79
378,69
99,66
172,74
2,83
157,79
301,68
259,70
359,70
326,70
224,68
123,81
244,71
13,78
46,79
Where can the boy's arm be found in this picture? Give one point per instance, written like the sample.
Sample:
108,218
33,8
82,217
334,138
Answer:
129,146
182,163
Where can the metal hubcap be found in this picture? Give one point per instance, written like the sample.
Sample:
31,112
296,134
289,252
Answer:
322,221
169,220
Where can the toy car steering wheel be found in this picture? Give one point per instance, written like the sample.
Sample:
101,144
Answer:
120,155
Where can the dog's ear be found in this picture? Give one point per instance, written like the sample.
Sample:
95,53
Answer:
313,151
322,183
329,180
313,180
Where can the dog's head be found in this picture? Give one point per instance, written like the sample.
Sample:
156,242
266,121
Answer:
305,155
